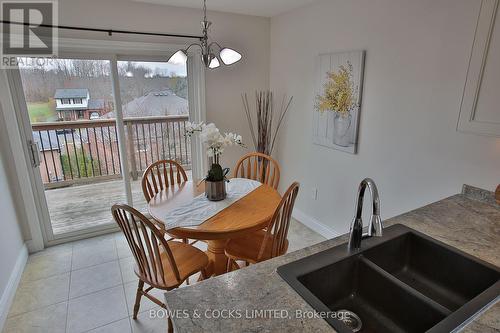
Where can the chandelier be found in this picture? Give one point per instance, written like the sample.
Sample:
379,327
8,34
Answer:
212,54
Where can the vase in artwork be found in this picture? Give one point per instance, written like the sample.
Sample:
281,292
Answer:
342,124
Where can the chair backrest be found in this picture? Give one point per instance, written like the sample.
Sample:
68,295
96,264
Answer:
277,229
160,175
260,167
147,245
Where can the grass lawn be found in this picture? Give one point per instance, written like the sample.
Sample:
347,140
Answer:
41,112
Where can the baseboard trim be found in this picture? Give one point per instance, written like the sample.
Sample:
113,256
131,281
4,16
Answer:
314,224
12,284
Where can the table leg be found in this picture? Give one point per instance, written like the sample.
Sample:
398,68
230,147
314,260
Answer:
216,256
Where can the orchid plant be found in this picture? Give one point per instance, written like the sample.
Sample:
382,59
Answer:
215,142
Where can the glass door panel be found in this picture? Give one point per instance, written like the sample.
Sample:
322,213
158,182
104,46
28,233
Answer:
155,108
71,110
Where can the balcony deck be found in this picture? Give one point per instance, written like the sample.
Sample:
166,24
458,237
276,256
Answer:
80,164
79,207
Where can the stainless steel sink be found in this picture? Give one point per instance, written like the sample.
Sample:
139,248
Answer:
402,282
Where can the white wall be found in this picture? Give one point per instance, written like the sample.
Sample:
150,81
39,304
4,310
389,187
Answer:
248,34
416,62
11,240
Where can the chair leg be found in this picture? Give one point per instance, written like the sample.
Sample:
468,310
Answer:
170,328
138,296
232,265
203,275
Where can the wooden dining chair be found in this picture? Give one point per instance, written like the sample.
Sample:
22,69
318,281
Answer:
160,263
260,167
159,176
265,244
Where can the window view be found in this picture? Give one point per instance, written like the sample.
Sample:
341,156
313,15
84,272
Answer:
72,112
155,110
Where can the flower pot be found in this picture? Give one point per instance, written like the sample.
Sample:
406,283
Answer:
341,126
215,191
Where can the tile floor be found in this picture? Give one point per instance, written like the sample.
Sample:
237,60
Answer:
89,286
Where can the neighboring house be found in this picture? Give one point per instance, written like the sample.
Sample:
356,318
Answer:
50,156
74,104
154,104
153,141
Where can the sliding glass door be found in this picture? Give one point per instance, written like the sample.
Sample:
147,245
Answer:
155,107
86,143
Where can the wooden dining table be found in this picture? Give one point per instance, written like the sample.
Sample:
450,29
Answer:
250,213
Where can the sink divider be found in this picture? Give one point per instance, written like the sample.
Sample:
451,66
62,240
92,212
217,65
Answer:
435,305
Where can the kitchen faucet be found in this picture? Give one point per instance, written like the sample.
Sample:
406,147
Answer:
375,226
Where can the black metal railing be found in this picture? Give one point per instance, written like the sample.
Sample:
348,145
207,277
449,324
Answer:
88,150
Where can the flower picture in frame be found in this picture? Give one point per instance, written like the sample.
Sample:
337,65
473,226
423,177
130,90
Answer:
337,104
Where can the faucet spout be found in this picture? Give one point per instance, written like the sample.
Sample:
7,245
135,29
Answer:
375,225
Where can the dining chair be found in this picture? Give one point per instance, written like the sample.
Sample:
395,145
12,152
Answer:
260,167
268,243
160,263
159,176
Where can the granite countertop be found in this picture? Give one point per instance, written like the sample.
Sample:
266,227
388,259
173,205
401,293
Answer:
469,221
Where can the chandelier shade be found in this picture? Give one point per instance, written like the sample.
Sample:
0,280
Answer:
212,53
214,63
229,56
178,58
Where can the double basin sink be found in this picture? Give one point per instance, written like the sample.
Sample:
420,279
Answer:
404,281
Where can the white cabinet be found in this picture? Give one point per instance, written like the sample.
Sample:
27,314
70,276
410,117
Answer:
480,108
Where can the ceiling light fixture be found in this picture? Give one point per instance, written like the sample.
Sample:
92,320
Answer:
212,54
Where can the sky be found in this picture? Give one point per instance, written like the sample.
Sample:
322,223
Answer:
164,68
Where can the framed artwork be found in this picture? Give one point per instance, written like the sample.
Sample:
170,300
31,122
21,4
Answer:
339,86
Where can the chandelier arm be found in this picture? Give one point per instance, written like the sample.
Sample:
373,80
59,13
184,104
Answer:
215,43
193,44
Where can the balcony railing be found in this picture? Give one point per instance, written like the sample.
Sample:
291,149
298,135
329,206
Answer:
87,151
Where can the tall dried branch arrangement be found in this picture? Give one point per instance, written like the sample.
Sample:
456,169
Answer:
266,118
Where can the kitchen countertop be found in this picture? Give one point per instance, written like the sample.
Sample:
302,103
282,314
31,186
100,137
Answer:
469,221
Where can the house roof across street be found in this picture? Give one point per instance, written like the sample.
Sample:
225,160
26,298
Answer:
155,103
71,93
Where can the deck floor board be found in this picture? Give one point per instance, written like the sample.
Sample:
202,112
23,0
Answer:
82,206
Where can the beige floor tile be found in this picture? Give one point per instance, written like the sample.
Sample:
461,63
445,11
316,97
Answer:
200,245
91,279
146,304
93,252
94,240
127,266
67,247
120,326
48,319
32,295
46,264
122,246
145,324
97,309
300,236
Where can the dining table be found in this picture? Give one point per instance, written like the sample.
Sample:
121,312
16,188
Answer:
250,213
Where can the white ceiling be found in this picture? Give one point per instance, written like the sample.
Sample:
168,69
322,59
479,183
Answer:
267,8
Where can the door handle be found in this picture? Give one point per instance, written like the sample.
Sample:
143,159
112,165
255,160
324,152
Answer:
35,158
